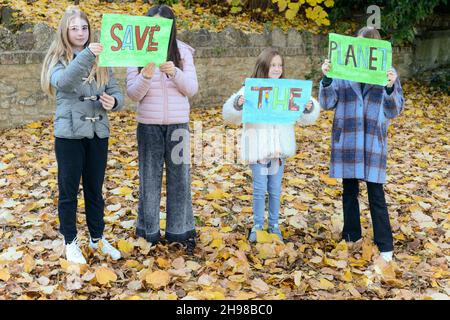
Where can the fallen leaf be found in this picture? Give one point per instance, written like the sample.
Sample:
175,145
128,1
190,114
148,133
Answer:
105,275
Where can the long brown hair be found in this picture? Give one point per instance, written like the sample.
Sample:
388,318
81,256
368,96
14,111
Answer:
61,51
263,61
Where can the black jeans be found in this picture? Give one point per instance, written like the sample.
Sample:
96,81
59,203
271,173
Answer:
378,210
78,158
169,145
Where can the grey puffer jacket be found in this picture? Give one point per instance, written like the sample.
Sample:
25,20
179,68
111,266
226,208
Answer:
78,112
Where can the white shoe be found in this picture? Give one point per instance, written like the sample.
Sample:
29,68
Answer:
107,248
387,256
73,252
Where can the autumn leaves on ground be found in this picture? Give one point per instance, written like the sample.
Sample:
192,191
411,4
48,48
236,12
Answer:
312,263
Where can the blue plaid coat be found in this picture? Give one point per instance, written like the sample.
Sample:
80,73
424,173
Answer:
359,135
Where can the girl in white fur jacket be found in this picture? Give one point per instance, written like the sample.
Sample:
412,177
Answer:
266,146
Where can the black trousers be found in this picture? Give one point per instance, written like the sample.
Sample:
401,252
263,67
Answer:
78,158
378,210
169,145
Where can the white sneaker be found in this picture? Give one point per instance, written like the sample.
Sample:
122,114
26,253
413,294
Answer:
107,248
73,252
387,256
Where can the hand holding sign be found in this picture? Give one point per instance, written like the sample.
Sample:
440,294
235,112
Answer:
148,71
326,66
96,48
392,77
309,105
241,101
168,68
107,101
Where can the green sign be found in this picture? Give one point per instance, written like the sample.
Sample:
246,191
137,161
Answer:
133,41
359,59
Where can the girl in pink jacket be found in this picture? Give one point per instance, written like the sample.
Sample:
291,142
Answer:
163,137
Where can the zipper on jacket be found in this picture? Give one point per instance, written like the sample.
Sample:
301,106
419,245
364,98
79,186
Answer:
92,109
166,99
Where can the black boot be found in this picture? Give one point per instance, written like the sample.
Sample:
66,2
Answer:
190,246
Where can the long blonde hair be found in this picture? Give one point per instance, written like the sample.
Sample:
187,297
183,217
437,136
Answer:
61,51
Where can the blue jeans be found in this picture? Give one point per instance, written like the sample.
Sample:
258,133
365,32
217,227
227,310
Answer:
267,178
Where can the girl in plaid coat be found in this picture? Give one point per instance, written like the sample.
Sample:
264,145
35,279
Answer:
359,145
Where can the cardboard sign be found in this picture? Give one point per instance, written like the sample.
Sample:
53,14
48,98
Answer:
359,59
276,101
133,41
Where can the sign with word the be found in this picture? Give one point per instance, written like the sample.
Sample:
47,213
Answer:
133,41
275,101
359,59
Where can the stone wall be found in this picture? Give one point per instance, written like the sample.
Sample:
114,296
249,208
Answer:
223,60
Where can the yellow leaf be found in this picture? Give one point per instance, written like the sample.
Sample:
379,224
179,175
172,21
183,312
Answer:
197,183
4,274
237,278
347,276
125,191
105,275
28,263
8,157
217,194
282,4
158,279
34,125
296,182
297,277
263,237
290,14
367,248
125,246
329,181
133,298
163,263
201,202
243,245
53,170
216,243
64,264
21,172
132,264
266,251
245,197
226,229
247,210
325,284
218,207
331,192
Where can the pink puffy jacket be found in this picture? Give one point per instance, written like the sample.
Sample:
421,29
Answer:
163,100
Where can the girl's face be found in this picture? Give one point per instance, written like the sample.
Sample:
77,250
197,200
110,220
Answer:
276,67
78,33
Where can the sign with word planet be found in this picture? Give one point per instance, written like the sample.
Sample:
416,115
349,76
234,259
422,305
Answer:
275,101
359,59
133,41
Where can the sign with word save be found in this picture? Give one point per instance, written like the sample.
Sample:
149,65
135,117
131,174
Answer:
359,59
133,41
275,101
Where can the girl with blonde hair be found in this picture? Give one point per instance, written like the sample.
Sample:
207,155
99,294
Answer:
85,93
